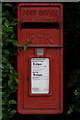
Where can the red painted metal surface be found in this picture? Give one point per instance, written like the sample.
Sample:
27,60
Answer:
41,23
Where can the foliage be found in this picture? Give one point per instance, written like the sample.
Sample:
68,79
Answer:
9,45
25,46
72,57
9,52
75,84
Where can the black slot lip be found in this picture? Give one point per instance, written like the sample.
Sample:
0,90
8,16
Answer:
40,25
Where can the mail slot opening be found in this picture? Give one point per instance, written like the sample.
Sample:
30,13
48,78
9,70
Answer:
40,25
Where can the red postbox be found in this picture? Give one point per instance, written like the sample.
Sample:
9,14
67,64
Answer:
41,65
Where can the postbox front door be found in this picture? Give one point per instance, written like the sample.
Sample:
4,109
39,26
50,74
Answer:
41,64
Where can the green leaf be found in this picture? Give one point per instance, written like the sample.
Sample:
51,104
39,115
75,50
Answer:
17,73
4,102
3,18
6,13
17,81
9,66
9,40
16,43
14,22
11,71
10,29
21,48
6,51
7,4
9,82
3,13
11,77
11,114
2,93
6,23
25,46
13,36
12,102
16,88
4,60
4,116
30,42
69,112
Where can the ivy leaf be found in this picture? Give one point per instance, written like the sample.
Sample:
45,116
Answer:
17,81
21,48
9,45
3,13
4,116
4,60
30,42
8,40
11,114
12,102
3,18
10,83
4,102
2,93
7,4
25,46
4,75
16,43
16,88
17,73
6,23
11,71
6,51
9,66
10,29
13,36
7,13
14,22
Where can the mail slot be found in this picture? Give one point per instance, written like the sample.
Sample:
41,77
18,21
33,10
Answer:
41,65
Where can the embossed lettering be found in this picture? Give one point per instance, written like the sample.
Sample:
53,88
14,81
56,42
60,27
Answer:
39,12
35,36
29,12
48,12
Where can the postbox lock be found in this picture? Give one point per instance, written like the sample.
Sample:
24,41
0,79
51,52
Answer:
40,51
